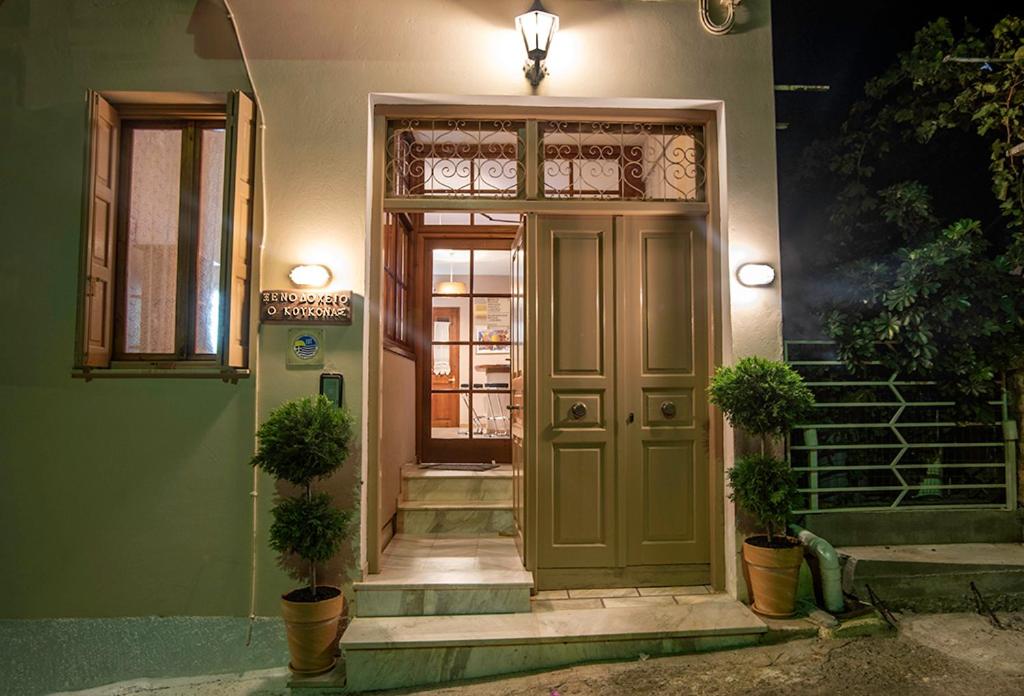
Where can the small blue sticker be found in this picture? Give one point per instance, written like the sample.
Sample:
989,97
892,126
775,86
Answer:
306,347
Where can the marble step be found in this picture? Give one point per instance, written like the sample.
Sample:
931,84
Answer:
430,484
423,592
460,517
389,653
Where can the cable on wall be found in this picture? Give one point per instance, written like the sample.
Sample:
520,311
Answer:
708,22
254,493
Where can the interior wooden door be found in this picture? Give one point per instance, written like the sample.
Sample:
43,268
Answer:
517,402
575,400
663,359
444,412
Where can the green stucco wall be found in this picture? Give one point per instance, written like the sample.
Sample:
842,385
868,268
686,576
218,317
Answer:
117,497
131,497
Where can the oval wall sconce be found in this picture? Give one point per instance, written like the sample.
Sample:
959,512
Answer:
755,275
310,276
537,26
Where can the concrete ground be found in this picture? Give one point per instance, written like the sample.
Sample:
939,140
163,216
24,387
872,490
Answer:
933,655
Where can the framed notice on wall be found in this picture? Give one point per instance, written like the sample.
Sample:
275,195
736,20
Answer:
491,317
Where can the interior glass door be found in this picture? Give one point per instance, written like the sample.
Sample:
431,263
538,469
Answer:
468,360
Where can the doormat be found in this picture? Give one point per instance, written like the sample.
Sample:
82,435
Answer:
460,467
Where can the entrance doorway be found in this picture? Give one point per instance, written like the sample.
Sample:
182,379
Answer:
622,460
592,387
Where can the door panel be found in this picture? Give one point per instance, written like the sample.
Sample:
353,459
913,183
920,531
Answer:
664,360
576,455
517,402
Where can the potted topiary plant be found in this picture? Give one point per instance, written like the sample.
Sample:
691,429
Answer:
766,398
303,441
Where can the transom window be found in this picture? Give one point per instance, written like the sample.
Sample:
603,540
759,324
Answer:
458,158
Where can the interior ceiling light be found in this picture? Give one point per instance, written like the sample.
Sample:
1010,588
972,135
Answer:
452,286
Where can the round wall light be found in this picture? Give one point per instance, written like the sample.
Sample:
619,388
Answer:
310,276
755,275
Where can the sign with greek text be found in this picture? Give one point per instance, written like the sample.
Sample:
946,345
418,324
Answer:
306,307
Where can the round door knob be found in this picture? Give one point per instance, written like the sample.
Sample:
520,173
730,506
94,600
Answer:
578,410
668,409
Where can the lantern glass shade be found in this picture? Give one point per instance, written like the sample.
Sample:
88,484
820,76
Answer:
537,26
755,274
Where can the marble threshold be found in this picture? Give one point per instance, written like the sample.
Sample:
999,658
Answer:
705,619
503,471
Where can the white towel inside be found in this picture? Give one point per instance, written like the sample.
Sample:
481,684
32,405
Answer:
441,364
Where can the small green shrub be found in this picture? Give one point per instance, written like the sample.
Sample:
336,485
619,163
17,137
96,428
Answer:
303,441
764,486
764,397
310,528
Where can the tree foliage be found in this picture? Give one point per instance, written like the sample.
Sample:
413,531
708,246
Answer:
930,284
765,486
310,528
764,397
302,441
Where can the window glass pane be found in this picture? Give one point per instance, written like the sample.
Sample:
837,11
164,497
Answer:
208,247
597,175
491,367
451,319
151,266
446,175
446,218
494,175
449,416
490,416
491,324
449,367
451,271
492,270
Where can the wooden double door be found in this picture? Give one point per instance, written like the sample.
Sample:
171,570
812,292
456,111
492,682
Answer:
621,413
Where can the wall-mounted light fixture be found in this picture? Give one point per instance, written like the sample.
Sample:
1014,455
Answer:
310,276
755,275
537,26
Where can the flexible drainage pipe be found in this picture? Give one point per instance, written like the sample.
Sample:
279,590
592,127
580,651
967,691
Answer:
828,566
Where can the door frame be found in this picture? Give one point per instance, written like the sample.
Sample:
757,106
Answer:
425,243
711,115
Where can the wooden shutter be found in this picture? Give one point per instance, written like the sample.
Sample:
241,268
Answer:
99,235
238,198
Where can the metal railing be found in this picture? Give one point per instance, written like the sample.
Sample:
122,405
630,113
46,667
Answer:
881,443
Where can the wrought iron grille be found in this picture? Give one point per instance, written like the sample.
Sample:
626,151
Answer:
643,161
879,442
455,158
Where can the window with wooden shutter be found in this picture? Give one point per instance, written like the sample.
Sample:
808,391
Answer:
238,196
100,233
167,236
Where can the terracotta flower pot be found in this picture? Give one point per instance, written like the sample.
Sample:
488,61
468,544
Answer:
312,629
772,576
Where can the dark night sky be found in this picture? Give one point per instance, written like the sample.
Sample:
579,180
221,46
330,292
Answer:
842,45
